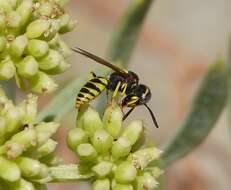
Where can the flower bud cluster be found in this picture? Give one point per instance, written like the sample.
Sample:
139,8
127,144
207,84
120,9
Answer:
110,151
30,45
26,147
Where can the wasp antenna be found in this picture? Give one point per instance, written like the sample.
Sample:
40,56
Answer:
153,117
100,60
128,113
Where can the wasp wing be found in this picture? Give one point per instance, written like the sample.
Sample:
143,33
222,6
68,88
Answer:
101,61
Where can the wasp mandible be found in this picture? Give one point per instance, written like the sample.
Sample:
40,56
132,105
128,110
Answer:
120,81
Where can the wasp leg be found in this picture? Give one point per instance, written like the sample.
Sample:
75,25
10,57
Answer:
116,90
128,113
124,87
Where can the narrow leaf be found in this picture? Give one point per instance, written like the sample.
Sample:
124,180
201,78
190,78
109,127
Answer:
120,50
205,110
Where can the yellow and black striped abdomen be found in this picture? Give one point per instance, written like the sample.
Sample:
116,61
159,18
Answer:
91,90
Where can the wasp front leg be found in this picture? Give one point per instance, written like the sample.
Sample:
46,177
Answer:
115,93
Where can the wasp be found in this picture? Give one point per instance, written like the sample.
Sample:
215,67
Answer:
120,81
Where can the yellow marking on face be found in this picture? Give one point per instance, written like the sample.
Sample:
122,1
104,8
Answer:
133,100
146,92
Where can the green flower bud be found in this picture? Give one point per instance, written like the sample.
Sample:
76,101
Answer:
125,173
54,42
146,181
29,167
19,143
25,11
7,69
22,185
53,30
142,158
2,22
64,20
86,152
155,171
9,171
133,131
45,131
102,141
13,19
63,48
37,48
37,28
3,41
45,9
5,6
68,27
28,109
50,61
47,148
43,173
121,148
102,169
60,68
112,120
123,187
91,121
101,184
13,119
52,160
28,67
2,130
75,137
18,46
42,83
13,3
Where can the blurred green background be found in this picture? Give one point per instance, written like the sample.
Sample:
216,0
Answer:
179,39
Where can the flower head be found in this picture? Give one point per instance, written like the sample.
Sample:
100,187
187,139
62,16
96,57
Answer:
26,147
107,149
30,45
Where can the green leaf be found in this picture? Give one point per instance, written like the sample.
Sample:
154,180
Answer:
229,86
205,110
127,31
65,173
120,50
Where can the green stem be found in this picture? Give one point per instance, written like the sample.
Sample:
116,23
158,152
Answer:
203,115
9,88
120,49
67,173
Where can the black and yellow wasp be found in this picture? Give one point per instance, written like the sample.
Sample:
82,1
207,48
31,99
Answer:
121,80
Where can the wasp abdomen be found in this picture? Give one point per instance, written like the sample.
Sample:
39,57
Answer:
91,90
